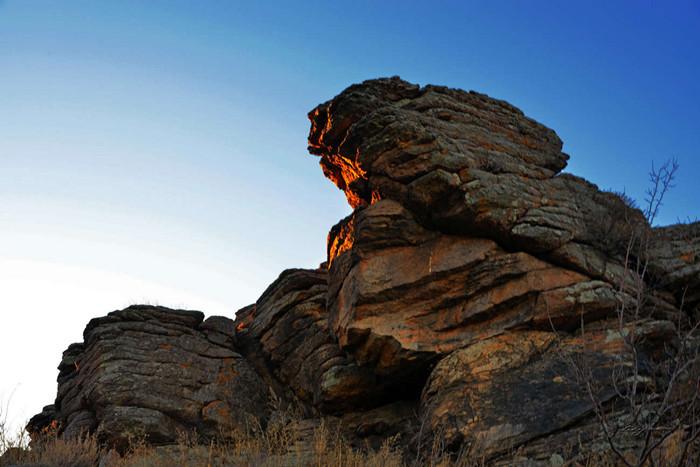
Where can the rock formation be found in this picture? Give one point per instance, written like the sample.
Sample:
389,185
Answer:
463,299
285,333
151,371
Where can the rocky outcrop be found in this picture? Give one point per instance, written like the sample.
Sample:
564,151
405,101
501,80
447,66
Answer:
470,250
153,372
44,423
477,298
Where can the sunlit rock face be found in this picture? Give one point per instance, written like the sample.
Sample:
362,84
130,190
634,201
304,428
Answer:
465,163
389,130
402,295
152,371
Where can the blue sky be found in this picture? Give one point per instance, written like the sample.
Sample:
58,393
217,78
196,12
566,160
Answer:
156,150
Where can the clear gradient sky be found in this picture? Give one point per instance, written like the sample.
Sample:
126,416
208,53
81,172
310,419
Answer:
155,151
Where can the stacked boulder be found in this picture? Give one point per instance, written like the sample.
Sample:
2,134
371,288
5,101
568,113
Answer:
460,300
285,334
154,373
471,264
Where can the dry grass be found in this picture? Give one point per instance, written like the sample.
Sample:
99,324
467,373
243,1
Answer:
286,443
59,453
278,445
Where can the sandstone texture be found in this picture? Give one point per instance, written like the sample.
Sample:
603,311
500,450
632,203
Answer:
518,386
286,334
151,371
401,295
465,163
675,261
478,299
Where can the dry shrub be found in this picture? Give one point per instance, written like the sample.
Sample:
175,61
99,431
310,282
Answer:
57,452
329,448
12,445
611,233
658,392
281,443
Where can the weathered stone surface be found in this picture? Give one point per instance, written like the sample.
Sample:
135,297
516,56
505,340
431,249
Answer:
42,424
401,295
674,258
286,334
467,241
393,128
153,371
466,163
516,387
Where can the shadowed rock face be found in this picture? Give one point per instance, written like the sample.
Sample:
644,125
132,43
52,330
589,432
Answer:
286,334
675,262
519,386
153,371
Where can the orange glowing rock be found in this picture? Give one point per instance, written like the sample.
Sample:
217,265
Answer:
244,321
342,169
340,239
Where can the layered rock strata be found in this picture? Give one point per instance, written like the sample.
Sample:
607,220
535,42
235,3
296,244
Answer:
401,295
153,372
285,333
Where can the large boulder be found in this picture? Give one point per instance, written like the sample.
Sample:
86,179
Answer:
400,295
465,163
464,226
469,249
285,334
389,128
504,391
154,372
